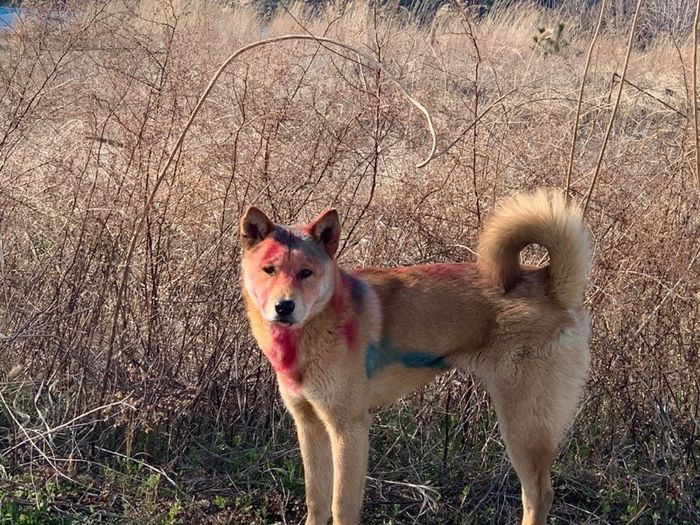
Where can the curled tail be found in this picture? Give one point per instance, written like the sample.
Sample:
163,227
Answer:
538,218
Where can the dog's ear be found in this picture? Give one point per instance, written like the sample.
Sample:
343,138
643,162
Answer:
255,226
325,229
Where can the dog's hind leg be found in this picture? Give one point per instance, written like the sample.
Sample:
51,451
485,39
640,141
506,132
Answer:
535,397
315,446
531,444
532,451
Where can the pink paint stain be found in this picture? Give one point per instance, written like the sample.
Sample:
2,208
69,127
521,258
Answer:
271,250
342,308
283,354
350,332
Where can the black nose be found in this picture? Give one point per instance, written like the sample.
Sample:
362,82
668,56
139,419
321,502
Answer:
284,308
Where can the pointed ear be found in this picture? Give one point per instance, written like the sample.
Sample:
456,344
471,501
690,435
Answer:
325,229
254,227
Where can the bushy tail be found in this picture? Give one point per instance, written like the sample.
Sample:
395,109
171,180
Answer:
538,218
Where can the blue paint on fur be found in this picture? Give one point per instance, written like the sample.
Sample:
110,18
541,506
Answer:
422,360
383,354
296,239
287,238
358,289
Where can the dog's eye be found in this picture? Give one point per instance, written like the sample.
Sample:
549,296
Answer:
305,273
269,269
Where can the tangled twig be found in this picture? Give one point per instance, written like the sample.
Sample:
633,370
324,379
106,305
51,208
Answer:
580,100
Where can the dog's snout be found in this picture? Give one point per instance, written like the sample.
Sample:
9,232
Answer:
284,308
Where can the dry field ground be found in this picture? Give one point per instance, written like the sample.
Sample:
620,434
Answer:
130,388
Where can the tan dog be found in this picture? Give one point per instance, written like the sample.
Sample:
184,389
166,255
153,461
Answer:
343,342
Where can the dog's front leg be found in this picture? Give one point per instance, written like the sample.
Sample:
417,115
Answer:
350,443
315,448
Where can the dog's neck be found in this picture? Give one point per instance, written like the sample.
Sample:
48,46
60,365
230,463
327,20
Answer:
283,352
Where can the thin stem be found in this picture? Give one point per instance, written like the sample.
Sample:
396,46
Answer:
580,100
614,112
695,92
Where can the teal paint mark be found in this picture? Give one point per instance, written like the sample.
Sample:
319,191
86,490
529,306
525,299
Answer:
383,354
358,290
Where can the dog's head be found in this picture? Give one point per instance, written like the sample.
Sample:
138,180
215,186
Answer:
289,272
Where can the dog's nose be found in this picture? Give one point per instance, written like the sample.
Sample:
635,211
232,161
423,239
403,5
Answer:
284,308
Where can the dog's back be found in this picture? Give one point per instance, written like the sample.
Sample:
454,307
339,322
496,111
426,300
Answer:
467,314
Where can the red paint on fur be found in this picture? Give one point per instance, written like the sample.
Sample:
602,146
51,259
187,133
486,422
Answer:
262,295
286,343
283,354
271,251
284,281
350,332
342,306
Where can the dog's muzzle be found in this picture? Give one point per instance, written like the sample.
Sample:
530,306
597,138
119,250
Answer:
284,310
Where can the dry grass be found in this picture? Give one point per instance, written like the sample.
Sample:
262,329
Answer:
93,100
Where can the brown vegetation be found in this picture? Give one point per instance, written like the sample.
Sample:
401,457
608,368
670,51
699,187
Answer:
115,365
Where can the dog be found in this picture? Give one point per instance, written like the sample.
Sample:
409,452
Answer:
343,342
